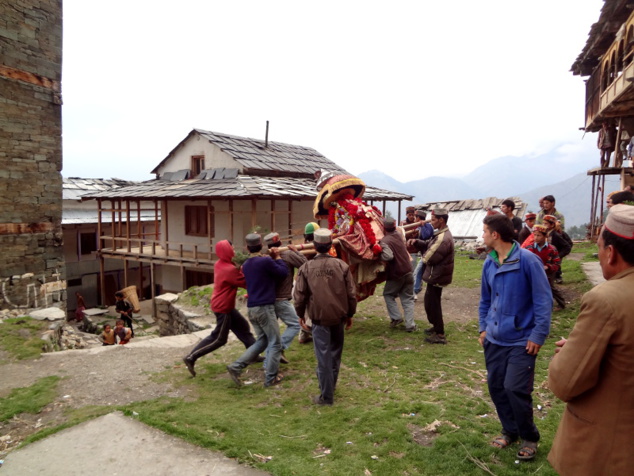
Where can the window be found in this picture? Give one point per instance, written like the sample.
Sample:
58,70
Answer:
198,165
196,221
87,243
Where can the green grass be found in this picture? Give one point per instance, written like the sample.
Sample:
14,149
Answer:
29,399
402,407
20,337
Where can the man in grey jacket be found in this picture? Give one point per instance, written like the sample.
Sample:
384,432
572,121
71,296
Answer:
326,290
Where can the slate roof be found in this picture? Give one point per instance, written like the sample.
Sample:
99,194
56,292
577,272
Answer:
73,188
601,36
465,216
256,159
241,186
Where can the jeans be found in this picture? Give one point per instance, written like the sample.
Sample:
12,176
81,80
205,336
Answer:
404,289
418,276
264,322
285,311
511,374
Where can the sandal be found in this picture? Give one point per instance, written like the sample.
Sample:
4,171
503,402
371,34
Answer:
502,441
527,451
278,379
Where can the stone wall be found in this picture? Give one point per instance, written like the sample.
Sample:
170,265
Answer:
173,319
31,154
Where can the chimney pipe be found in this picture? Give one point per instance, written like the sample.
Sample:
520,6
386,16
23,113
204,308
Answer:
266,138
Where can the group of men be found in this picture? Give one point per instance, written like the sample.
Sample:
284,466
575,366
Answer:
591,370
405,273
324,290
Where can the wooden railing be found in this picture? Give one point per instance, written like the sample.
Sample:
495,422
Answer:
143,248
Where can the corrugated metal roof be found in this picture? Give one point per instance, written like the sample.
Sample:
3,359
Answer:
255,157
242,186
81,216
465,216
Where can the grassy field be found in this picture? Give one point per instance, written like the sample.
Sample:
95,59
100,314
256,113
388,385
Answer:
402,407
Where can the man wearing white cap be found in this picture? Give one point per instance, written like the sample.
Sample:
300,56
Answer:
325,289
593,369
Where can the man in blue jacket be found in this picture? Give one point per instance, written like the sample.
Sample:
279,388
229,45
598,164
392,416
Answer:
515,309
261,273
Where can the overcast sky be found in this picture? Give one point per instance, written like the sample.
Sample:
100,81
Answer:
411,88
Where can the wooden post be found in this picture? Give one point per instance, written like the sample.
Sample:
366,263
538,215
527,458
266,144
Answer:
152,286
231,220
113,229
593,206
272,216
125,273
290,218
127,225
102,280
253,214
618,158
165,222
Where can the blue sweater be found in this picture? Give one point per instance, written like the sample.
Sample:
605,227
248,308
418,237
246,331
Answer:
262,274
515,299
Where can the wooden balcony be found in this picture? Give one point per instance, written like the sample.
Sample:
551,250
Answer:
158,252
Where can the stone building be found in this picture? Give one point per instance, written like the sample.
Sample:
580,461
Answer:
31,256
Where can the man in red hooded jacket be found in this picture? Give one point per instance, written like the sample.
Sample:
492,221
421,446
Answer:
227,279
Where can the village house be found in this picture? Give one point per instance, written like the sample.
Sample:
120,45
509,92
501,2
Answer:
607,62
209,188
80,229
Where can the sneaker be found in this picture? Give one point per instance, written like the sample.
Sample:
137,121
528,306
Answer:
436,339
395,322
235,376
305,340
283,359
190,365
415,297
429,331
317,400
411,329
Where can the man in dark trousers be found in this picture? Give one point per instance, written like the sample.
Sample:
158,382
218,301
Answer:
283,292
124,309
325,289
438,257
514,321
261,272
227,279
399,277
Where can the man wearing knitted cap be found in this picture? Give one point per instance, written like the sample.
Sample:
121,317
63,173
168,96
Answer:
261,272
283,292
593,371
326,289
438,257
527,229
399,277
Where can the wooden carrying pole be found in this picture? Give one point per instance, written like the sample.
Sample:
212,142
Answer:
309,248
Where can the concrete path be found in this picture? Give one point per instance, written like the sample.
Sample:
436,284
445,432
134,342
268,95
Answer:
593,272
116,445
